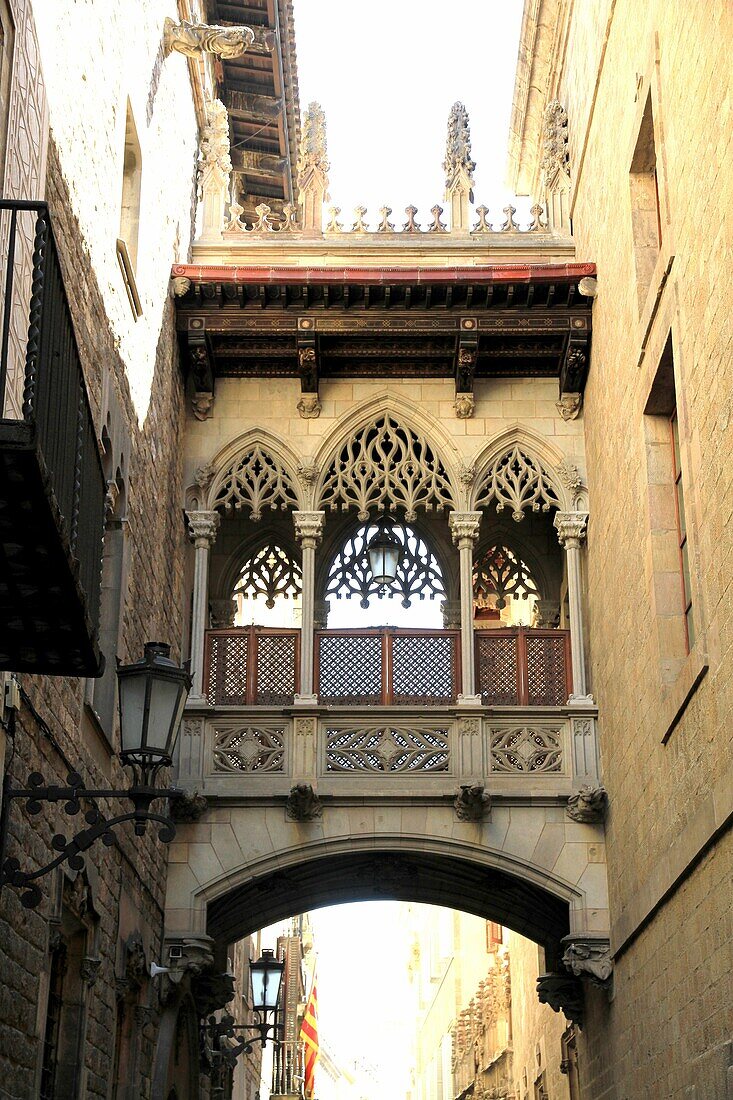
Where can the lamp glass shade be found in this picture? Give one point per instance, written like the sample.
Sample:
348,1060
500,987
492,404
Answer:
152,695
266,975
384,551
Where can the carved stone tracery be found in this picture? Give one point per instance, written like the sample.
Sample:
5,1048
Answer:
498,572
256,481
386,467
387,749
270,572
526,749
418,571
517,481
249,749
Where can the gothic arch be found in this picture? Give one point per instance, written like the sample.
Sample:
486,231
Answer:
229,484
406,417
256,537
520,470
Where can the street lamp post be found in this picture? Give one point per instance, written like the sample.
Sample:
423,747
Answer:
265,977
152,695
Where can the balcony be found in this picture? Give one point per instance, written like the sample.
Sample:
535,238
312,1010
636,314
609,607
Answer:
52,485
387,713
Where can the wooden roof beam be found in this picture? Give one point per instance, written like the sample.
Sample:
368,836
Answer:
255,108
258,164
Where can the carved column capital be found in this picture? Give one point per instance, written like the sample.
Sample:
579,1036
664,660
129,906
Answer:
464,528
309,528
589,956
571,528
203,527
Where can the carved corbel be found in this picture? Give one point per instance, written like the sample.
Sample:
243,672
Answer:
589,957
188,808
303,804
562,992
193,39
472,802
588,805
465,369
569,405
308,371
201,368
574,368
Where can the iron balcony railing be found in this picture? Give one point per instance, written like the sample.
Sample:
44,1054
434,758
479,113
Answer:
42,386
255,665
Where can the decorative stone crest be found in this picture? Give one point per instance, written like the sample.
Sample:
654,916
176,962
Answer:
464,405
569,405
303,804
309,406
189,808
359,226
483,225
385,225
436,225
588,956
510,226
472,802
588,805
263,223
411,226
202,404
193,39
562,993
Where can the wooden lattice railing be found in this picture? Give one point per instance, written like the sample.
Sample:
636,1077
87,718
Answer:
251,665
523,667
387,666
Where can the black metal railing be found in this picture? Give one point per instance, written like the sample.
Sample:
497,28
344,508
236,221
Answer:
55,403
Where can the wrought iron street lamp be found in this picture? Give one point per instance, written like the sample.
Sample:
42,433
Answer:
266,978
384,550
152,695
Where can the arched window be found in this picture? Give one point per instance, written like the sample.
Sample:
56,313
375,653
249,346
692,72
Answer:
419,578
268,589
503,587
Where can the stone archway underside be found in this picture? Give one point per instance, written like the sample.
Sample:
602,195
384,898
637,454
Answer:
389,875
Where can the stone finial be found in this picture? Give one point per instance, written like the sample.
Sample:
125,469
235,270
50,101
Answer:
458,167
588,805
359,226
436,225
458,147
263,223
193,39
589,956
334,225
510,226
290,218
411,226
303,804
385,225
472,802
483,225
313,169
215,168
562,993
537,224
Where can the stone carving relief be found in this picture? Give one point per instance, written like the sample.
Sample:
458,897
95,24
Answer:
588,805
386,467
569,475
569,405
180,286
555,152
309,406
472,802
202,403
387,749
313,153
258,748
257,481
189,808
89,970
522,749
215,162
562,993
193,39
303,804
464,405
517,481
589,957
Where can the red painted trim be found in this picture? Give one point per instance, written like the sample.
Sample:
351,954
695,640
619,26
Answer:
380,276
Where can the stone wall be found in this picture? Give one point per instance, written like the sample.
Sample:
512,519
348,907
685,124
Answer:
536,1029
133,374
665,717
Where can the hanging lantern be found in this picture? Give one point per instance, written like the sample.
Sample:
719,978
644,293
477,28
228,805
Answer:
152,695
384,551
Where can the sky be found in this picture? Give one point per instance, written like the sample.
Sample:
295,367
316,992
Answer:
386,73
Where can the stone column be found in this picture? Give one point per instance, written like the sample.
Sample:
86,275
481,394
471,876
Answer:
571,528
308,531
202,529
464,528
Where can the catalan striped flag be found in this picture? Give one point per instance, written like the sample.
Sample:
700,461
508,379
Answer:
309,1037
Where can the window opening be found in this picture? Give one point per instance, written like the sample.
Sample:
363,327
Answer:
646,218
131,186
53,1022
268,591
503,589
419,579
